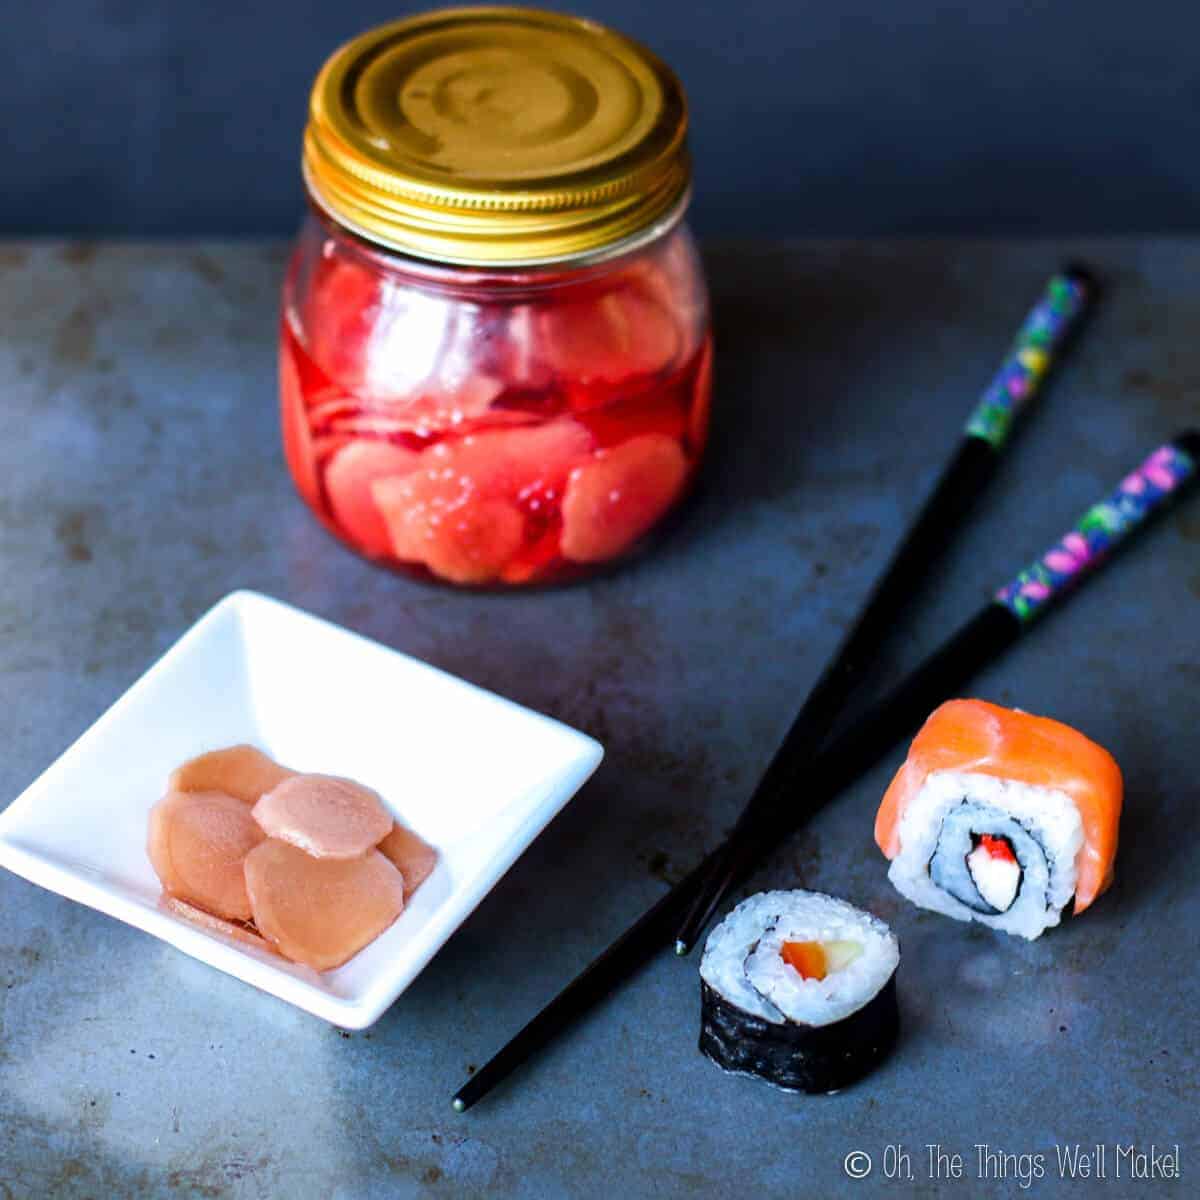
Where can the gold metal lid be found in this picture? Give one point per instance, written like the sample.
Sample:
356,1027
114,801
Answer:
497,136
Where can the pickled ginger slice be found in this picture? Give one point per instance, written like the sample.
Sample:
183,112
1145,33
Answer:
411,855
348,480
473,542
321,911
241,771
608,338
613,500
701,402
297,435
197,844
462,513
237,930
324,816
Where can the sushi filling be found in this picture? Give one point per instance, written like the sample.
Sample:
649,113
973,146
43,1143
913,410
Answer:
815,960
980,848
981,858
995,871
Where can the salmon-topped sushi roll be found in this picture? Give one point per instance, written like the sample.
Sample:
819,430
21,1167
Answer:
1001,817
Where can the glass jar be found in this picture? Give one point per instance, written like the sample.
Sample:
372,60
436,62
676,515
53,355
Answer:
496,357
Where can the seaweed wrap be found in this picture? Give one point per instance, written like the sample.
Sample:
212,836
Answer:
799,989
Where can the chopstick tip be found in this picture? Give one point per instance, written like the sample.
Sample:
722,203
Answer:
682,948
458,1104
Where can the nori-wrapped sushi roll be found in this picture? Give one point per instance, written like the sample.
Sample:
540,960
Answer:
799,989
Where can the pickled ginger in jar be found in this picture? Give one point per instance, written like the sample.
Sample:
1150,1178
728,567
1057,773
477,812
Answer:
495,361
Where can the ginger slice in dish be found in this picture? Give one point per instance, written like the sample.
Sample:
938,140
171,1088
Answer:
197,844
240,771
324,816
237,930
321,911
412,856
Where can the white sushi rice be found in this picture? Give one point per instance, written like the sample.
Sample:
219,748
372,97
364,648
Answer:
743,958
1048,815
723,964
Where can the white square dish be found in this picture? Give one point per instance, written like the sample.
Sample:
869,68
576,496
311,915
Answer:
474,774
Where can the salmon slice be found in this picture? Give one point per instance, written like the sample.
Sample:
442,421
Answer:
238,931
324,816
974,736
411,855
321,911
614,499
197,844
240,771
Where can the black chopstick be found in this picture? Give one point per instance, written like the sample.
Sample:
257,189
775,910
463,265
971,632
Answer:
1040,340
834,768
980,642
1097,533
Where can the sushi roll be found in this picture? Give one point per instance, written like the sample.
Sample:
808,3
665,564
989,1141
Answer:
799,989
1001,817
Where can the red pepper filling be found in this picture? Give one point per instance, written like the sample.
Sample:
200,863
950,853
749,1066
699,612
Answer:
997,847
808,958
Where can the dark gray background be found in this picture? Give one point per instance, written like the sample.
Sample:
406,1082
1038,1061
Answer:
810,116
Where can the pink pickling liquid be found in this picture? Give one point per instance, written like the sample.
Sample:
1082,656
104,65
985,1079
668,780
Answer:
493,428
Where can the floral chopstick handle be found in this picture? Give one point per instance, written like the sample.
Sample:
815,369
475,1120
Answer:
1101,528
1038,340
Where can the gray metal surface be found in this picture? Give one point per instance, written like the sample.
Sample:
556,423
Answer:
140,480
